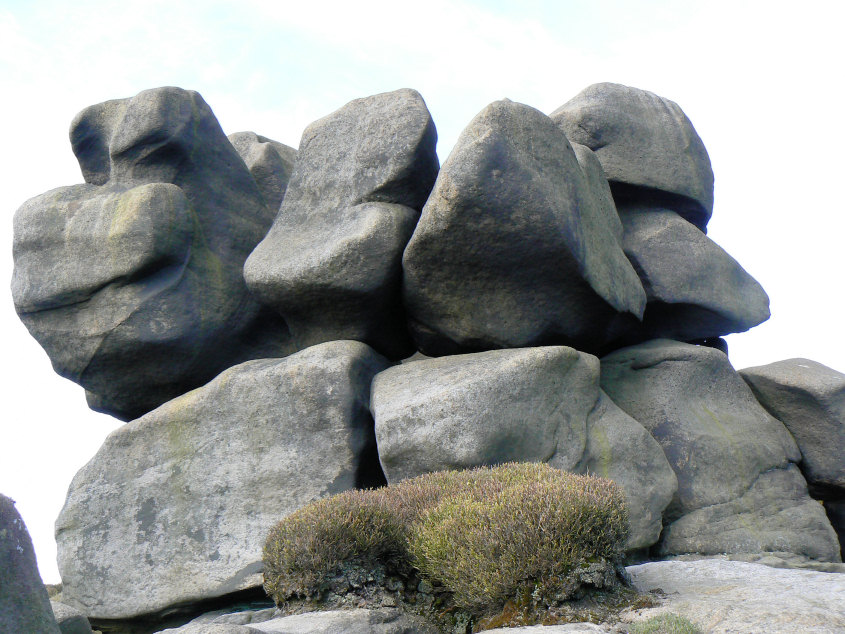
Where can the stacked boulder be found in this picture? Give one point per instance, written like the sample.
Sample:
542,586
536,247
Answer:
288,324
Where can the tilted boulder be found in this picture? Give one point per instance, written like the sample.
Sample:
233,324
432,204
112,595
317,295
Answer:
175,506
24,605
512,248
133,282
647,146
331,263
695,289
269,162
738,487
526,405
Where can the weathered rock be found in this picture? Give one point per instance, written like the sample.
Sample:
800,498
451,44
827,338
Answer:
809,398
647,146
566,628
331,263
70,620
733,460
525,405
269,162
512,248
133,282
175,506
738,597
695,289
24,605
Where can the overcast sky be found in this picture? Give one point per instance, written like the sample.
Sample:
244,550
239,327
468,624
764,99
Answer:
761,82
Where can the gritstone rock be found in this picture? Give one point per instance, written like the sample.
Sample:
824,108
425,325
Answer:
269,162
526,405
738,489
648,148
175,506
513,249
695,289
331,263
24,605
133,282
70,620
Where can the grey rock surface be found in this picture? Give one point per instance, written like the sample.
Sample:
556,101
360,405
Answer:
70,620
733,460
269,162
133,282
731,596
24,605
647,146
510,240
531,405
331,263
809,398
175,506
566,628
695,289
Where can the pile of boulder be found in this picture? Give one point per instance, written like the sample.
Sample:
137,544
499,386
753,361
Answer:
280,325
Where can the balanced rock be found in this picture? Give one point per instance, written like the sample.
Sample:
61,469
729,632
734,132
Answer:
647,146
695,289
331,263
269,162
738,487
526,405
513,249
133,282
175,506
24,605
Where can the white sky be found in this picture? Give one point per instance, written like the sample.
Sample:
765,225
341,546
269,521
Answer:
761,82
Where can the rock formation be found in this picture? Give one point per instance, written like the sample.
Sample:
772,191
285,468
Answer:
247,304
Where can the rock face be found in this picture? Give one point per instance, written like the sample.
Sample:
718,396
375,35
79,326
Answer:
24,605
269,162
648,148
526,405
738,489
695,290
133,282
176,505
512,248
331,263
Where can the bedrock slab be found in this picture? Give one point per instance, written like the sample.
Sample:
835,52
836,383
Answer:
133,282
647,146
733,460
175,506
514,248
526,405
331,263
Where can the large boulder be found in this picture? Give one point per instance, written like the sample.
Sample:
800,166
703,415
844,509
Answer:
24,604
133,283
525,405
269,162
647,146
738,488
695,289
175,506
331,263
513,248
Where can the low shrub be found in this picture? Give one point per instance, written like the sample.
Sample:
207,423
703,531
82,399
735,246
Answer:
665,623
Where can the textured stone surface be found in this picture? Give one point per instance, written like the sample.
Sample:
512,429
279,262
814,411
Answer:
732,459
331,263
738,597
133,282
70,620
647,146
529,405
269,162
809,398
175,506
24,606
512,249
695,289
